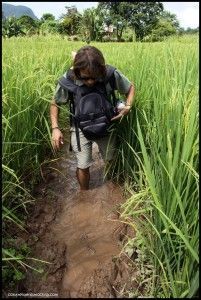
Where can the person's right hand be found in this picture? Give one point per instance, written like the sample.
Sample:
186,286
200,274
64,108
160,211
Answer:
57,138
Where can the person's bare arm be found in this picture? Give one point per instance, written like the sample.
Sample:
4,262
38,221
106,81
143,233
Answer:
129,103
57,136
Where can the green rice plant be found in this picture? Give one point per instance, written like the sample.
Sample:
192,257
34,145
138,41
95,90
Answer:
158,141
29,79
15,264
166,131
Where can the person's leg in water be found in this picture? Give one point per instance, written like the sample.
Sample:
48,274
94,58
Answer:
83,177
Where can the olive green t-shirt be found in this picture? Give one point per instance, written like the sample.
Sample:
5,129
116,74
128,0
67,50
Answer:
122,85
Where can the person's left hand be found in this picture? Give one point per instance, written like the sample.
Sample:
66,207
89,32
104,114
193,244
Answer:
123,112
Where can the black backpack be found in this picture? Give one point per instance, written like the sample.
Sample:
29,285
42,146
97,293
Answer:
90,108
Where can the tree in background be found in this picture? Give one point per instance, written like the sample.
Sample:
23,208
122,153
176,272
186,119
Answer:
47,17
160,31
11,27
69,22
171,18
48,24
30,25
91,26
191,30
112,18
167,25
49,27
141,16
109,21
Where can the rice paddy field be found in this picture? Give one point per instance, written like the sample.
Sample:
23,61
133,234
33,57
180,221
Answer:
157,155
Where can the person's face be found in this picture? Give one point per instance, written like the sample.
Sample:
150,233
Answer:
86,78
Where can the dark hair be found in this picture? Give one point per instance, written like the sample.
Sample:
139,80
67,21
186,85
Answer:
90,58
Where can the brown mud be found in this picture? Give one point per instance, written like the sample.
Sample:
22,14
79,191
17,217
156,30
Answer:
79,233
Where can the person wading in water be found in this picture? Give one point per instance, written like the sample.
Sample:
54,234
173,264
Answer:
90,73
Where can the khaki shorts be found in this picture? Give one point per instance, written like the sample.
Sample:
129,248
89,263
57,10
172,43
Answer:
106,147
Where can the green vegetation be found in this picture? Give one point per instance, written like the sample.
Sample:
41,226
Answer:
159,148
158,153
109,21
28,83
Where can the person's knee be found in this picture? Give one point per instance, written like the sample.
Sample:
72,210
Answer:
83,170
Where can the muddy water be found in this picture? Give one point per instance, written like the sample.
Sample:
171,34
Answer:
78,232
88,225
88,229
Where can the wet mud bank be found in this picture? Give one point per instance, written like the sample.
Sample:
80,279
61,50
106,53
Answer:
79,233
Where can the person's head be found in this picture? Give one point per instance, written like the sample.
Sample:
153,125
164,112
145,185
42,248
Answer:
89,65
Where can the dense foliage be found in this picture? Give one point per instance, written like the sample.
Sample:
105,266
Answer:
110,21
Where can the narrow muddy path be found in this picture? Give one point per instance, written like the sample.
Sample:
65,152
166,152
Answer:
80,234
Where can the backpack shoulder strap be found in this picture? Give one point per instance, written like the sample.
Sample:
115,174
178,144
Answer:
68,83
110,76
